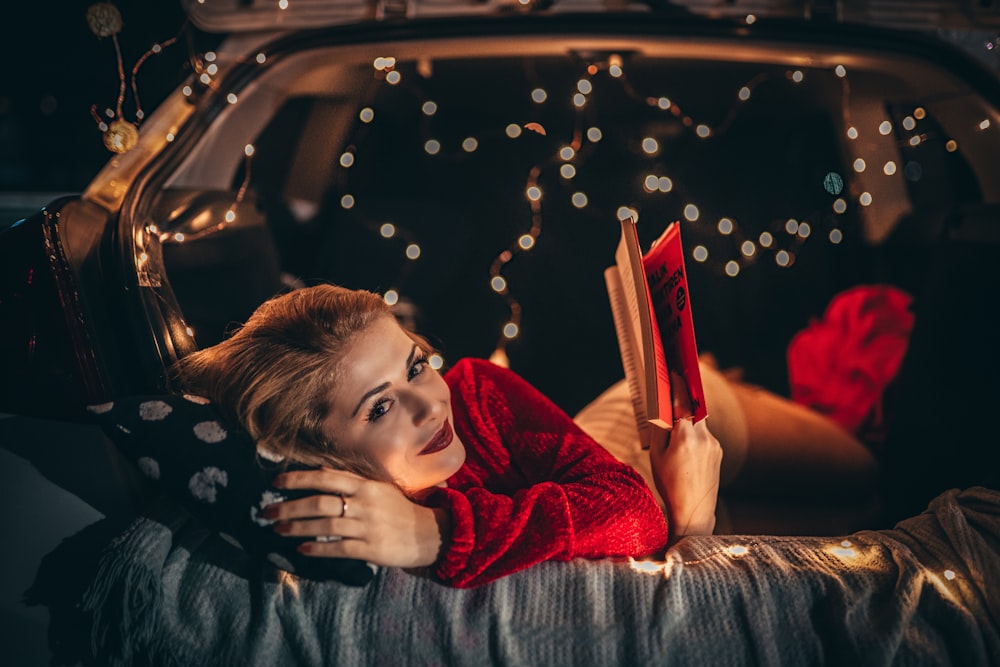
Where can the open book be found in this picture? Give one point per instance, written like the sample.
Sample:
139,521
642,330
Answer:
652,313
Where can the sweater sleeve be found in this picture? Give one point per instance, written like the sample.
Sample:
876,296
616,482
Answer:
542,488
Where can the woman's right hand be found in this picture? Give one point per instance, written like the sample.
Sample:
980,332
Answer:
354,517
686,472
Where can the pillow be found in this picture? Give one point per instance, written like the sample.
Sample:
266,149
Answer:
214,470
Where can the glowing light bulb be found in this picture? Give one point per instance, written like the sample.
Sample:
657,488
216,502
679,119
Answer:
584,86
835,236
567,171
852,133
919,113
949,574
538,95
534,193
791,225
387,230
804,229
839,205
951,146
651,183
738,550
367,115
664,103
393,77
691,212
391,297
884,128
567,153
725,226
205,78
782,258
432,146
748,249
579,100
765,239
346,160
594,134
798,76
650,145
261,58
703,131
840,71
526,241
412,251
664,184
732,268
347,201
470,144
498,284
579,199
429,108
435,361
909,123
230,215
889,168
510,330
743,94
699,253
626,212
513,130
865,199
231,98
859,165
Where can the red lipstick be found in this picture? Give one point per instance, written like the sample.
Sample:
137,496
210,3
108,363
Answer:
440,440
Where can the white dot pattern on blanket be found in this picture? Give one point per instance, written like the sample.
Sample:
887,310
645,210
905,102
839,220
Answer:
266,498
204,485
210,431
149,467
151,411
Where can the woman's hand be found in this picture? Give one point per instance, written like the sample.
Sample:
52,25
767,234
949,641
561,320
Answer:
374,521
686,473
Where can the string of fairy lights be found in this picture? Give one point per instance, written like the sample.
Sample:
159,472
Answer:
781,241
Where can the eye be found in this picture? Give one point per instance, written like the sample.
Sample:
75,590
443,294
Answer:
418,367
379,410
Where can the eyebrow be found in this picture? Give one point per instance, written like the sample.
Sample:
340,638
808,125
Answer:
385,385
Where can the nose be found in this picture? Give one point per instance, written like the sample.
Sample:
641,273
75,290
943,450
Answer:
422,405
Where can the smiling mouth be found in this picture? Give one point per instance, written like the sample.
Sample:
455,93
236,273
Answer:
440,440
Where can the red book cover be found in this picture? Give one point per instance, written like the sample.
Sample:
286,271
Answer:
670,298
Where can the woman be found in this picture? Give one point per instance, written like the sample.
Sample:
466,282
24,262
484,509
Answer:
475,474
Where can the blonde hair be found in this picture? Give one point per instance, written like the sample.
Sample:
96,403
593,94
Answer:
274,375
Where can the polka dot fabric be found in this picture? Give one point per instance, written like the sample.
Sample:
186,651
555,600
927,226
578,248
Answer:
184,447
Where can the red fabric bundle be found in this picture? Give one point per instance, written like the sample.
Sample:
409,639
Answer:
841,365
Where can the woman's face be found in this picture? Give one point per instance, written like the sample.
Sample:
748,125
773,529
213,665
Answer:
390,403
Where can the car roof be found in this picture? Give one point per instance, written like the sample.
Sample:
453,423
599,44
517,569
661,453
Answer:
229,16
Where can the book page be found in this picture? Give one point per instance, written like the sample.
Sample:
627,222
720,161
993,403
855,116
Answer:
649,383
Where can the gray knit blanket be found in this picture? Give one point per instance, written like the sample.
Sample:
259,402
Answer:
924,593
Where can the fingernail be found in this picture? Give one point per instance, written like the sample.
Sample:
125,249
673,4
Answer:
270,512
278,482
282,528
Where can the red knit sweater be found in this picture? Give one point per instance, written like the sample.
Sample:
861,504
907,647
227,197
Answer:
534,486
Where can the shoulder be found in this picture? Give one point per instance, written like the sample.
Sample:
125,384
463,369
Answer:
474,375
